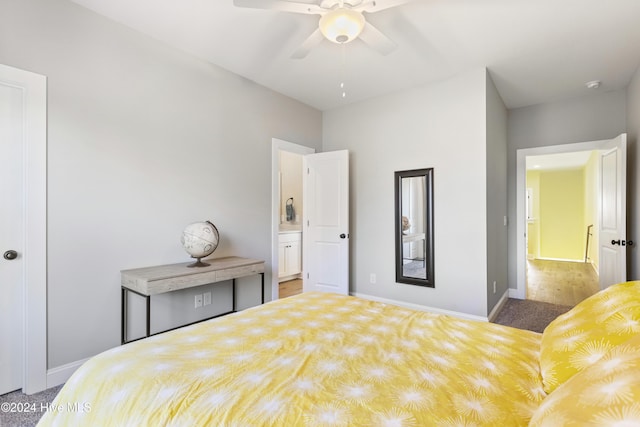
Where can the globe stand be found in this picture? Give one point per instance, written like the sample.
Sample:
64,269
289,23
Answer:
198,263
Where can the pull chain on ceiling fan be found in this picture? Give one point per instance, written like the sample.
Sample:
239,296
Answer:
341,21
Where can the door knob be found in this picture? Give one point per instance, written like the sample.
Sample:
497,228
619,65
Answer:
10,254
622,242
343,236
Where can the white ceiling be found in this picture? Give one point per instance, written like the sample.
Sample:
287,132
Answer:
536,50
573,160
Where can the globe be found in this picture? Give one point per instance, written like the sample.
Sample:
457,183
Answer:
200,239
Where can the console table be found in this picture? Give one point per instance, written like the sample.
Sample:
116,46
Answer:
167,278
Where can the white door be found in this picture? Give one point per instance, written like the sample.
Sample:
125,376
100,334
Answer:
11,236
23,229
326,222
613,229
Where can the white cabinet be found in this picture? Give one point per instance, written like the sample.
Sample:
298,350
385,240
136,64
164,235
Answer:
290,255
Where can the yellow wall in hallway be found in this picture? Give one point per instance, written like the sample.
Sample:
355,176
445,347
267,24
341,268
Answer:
562,214
533,229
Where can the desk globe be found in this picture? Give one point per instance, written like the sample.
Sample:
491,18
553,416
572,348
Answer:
200,239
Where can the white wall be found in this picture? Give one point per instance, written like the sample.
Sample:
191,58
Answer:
496,195
590,118
442,126
142,140
633,186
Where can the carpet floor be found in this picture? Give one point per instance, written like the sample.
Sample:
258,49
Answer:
521,314
20,410
528,314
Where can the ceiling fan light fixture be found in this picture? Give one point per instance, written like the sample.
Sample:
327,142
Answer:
341,25
593,84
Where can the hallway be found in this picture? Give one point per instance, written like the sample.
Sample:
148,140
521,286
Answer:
560,282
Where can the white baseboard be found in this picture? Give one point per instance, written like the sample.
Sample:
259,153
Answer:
61,374
560,259
498,307
516,293
420,307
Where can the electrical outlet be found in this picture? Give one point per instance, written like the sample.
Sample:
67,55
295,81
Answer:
494,286
207,298
198,302
372,278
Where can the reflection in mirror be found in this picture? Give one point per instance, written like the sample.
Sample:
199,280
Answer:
414,227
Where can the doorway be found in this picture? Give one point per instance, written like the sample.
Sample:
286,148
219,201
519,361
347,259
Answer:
562,228
611,213
23,272
287,249
290,248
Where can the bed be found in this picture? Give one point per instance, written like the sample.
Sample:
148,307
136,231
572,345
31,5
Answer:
321,359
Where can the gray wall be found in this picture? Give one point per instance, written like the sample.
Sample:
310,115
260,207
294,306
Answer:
496,195
142,140
442,126
589,118
633,186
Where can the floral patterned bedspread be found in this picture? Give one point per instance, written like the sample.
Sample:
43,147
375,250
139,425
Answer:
315,359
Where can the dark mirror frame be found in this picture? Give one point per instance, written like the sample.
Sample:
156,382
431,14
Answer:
428,221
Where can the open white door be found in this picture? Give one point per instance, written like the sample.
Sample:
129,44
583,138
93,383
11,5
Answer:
23,230
326,222
12,231
613,229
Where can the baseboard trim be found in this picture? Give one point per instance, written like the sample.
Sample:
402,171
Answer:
61,374
516,293
420,307
560,259
595,268
498,307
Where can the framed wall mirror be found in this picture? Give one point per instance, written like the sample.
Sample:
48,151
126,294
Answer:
414,227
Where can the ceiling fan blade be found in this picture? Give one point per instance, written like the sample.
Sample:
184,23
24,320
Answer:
284,6
312,41
371,6
376,40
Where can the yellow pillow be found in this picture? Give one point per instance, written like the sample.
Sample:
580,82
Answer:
580,337
606,393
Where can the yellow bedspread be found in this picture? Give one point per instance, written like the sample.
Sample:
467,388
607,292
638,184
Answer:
312,360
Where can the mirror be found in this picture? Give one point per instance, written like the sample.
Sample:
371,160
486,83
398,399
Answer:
414,227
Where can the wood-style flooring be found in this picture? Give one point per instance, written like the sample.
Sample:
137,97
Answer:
560,282
290,288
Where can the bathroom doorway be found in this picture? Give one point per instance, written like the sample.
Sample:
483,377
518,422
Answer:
290,227
286,209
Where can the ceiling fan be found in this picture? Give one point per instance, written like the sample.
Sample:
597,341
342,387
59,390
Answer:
341,21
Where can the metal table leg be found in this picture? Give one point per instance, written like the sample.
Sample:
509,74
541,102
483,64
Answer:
123,318
233,284
148,315
262,285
